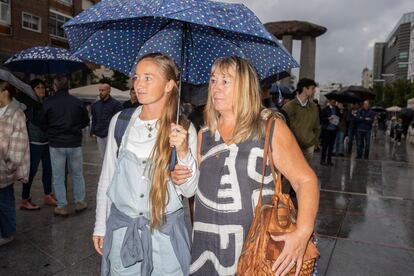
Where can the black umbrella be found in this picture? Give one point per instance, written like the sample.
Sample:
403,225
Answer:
378,109
407,113
284,91
342,97
274,78
359,92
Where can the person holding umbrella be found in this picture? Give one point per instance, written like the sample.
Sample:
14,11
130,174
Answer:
330,118
140,227
14,159
39,151
229,149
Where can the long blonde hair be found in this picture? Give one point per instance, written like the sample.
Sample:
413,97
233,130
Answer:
247,104
160,155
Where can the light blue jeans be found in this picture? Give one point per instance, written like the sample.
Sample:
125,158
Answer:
59,157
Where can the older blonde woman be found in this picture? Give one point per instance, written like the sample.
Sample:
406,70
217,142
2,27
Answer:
229,151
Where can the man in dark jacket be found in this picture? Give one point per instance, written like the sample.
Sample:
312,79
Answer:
329,121
352,125
63,118
365,118
102,113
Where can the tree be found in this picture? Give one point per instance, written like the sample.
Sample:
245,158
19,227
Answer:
379,94
120,81
398,92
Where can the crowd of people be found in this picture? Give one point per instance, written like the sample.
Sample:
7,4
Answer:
338,127
140,227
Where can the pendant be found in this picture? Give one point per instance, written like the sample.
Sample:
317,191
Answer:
149,135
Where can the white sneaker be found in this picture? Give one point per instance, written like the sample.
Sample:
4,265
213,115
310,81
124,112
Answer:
4,241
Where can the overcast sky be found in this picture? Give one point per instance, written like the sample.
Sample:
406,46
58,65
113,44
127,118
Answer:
353,28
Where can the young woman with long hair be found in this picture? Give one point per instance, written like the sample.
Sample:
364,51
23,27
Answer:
140,228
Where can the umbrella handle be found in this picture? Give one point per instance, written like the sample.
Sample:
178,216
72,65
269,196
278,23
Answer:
173,159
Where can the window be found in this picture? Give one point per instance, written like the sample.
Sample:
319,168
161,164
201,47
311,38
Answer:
5,11
66,2
31,22
56,21
403,55
402,64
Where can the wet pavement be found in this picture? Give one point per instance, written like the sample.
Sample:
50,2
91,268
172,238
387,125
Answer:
365,224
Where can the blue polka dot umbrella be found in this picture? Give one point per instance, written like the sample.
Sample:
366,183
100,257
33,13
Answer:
117,33
194,33
44,60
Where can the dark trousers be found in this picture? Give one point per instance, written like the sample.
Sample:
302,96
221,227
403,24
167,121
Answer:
39,153
363,139
351,136
398,136
7,212
328,141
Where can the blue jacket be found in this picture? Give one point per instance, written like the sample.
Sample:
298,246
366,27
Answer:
352,119
102,113
325,114
365,118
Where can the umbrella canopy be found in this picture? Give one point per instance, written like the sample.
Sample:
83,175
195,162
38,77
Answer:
342,97
359,92
394,109
274,78
378,109
284,91
18,84
44,60
91,92
407,114
193,32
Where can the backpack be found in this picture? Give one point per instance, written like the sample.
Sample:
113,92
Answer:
121,126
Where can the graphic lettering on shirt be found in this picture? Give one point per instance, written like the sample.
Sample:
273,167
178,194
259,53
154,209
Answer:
256,153
229,188
230,237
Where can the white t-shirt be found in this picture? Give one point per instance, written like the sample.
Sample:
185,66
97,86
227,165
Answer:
140,144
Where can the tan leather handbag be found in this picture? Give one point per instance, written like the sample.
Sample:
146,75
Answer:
259,250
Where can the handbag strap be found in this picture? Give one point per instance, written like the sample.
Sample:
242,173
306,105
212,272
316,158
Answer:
267,155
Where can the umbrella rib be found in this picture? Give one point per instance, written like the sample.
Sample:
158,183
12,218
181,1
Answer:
221,32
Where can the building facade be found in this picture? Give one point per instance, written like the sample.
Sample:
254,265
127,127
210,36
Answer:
391,57
378,54
410,72
25,24
367,80
324,89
